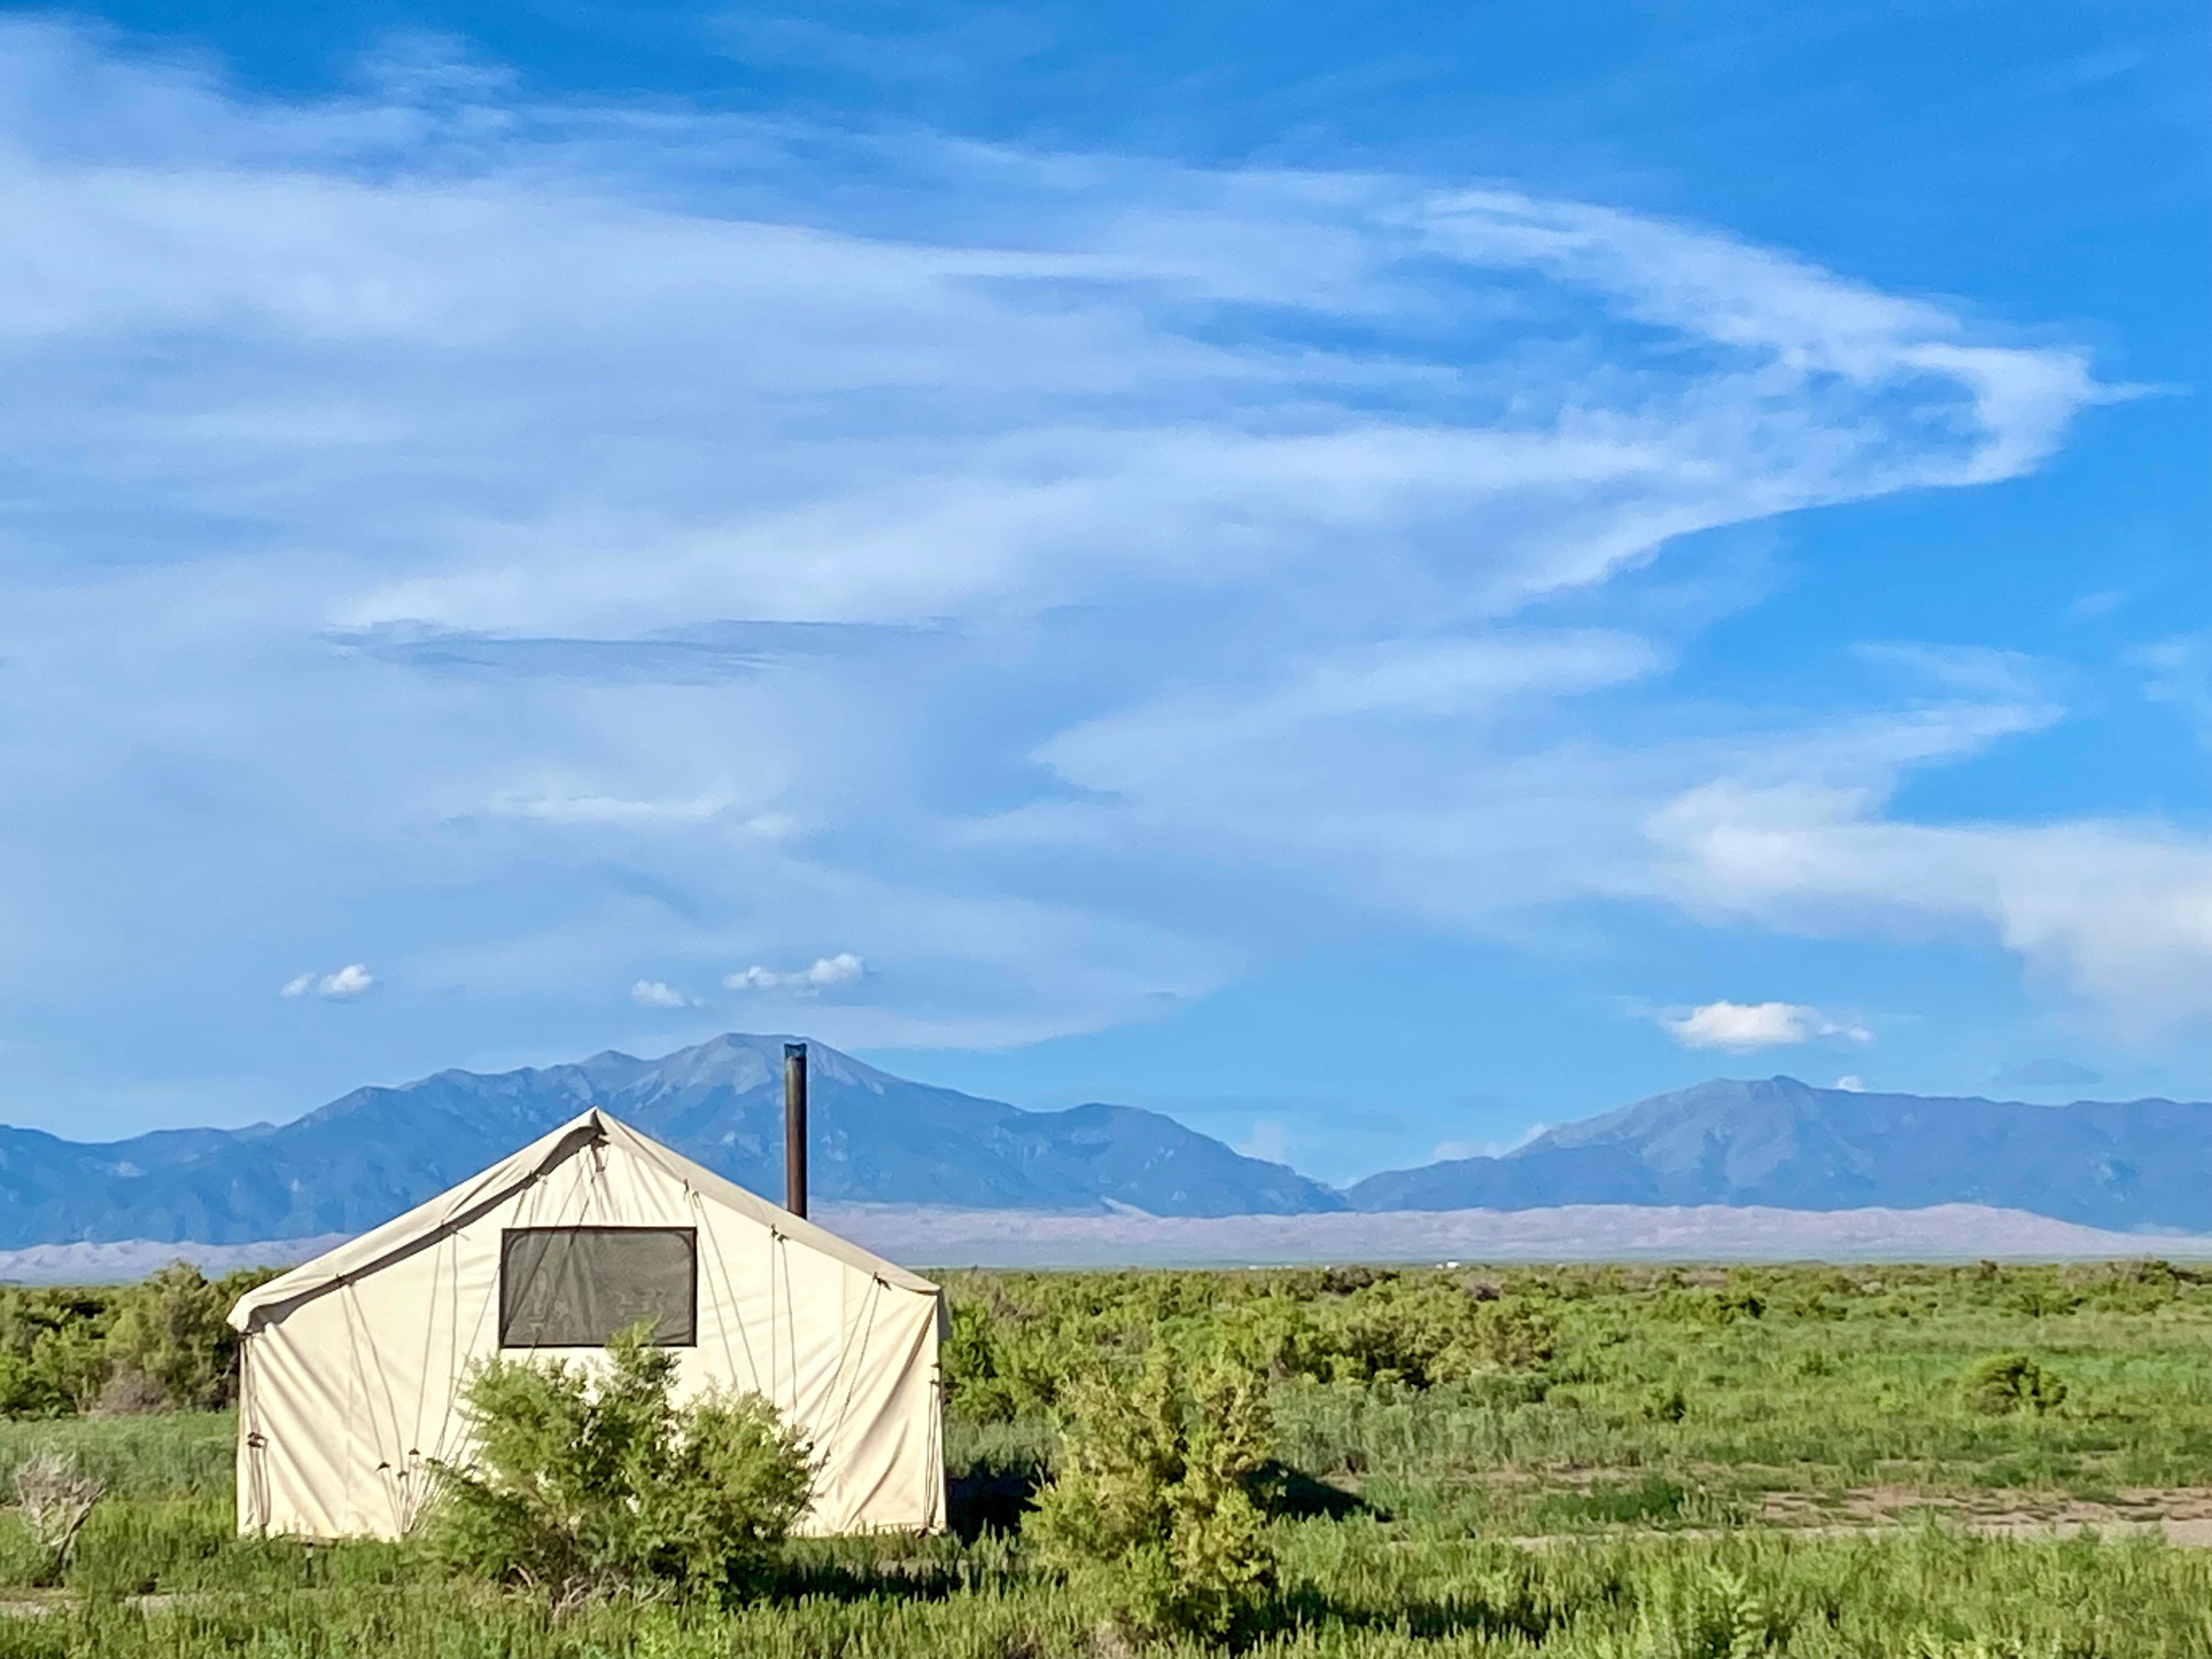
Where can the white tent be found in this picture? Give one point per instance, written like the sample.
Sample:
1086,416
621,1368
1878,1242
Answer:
353,1362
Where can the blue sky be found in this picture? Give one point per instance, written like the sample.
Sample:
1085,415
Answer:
1372,579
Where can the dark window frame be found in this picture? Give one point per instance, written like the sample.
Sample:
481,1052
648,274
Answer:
508,1237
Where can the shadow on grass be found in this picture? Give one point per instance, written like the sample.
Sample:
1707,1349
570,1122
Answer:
1295,1495
1303,1607
993,1500
986,1499
878,1581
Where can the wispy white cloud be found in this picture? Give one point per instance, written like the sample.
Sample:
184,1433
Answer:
2179,673
822,974
1134,572
2118,913
1744,1027
602,809
340,985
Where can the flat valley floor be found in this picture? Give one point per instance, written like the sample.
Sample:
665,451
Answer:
1602,1462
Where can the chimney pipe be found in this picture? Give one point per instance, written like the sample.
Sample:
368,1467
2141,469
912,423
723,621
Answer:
794,1127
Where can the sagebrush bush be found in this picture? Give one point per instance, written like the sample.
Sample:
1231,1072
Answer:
1006,1358
1393,1329
1151,1507
160,1344
1706,1611
590,1480
2011,1382
52,1351
1666,1404
56,1497
979,1383
1426,1332
171,1339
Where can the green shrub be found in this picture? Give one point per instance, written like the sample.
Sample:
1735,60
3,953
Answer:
998,1370
589,1481
1151,1508
1017,1342
984,1377
968,1360
52,1355
1666,1404
1713,1309
1739,1302
171,1337
2011,1382
161,1345
1706,1612
1422,1333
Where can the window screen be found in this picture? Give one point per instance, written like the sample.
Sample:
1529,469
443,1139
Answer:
573,1287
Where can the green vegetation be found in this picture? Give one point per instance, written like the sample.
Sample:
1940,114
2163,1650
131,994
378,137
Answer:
1570,1463
2011,1382
158,1346
1153,1504
594,1486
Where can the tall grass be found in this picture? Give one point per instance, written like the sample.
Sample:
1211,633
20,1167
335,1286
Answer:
1928,1595
177,1452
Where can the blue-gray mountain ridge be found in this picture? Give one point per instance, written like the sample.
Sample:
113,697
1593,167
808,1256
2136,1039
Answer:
2138,1166
875,1138
2143,1166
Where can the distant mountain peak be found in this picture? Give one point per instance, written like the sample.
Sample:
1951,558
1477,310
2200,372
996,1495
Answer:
1780,1141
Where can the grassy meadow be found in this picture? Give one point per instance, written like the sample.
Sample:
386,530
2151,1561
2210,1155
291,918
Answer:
1584,1464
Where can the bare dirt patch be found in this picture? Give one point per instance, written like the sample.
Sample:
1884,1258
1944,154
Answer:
2182,1514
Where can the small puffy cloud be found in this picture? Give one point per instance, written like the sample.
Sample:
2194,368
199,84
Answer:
349,981
824,973
1740,1027
654,993
2046,1073
340,985
1851,1083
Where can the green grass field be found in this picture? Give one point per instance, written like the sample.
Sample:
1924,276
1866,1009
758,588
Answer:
1695,1463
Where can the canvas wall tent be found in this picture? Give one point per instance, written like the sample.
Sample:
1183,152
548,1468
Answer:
353,1364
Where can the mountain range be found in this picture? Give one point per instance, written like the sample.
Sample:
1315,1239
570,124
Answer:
2143,1165
2140,1166
875,1138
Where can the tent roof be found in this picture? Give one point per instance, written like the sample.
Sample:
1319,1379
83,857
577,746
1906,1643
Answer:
428,1222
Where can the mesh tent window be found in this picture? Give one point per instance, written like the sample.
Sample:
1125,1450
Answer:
575,1287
